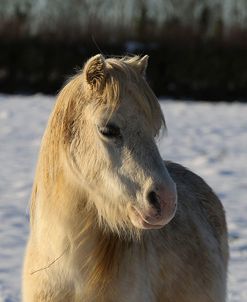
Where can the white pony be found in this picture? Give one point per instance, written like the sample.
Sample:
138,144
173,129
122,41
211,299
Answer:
110,220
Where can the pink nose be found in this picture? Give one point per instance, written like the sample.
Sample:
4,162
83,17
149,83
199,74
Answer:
155,201
162,203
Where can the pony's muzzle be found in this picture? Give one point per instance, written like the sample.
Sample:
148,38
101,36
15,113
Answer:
160,203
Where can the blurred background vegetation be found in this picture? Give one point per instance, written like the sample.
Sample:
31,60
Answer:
198,49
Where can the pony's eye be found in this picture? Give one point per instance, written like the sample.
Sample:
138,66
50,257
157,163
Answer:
110,131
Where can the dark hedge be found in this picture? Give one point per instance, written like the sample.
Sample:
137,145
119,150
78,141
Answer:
200,70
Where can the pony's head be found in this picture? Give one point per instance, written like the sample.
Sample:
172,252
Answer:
109,128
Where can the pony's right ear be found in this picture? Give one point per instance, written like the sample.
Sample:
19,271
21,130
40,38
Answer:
142,65
95,71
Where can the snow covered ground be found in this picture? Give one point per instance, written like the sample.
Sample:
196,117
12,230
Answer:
210,139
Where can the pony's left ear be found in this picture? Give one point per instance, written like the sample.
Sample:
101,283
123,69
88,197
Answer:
95,71
143,64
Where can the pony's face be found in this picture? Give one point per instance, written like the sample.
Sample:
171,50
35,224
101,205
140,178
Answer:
119,162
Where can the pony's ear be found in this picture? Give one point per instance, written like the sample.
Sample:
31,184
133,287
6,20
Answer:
142,65
95,71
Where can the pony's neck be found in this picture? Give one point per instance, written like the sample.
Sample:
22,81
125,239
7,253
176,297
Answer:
70,226
64,205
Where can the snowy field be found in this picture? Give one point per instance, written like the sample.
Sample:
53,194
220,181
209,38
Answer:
210,139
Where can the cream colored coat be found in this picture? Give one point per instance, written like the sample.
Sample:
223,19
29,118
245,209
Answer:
94,235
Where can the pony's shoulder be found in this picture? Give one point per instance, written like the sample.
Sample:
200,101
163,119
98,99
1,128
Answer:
193,191
183,176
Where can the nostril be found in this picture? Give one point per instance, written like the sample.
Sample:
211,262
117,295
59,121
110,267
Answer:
154,200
